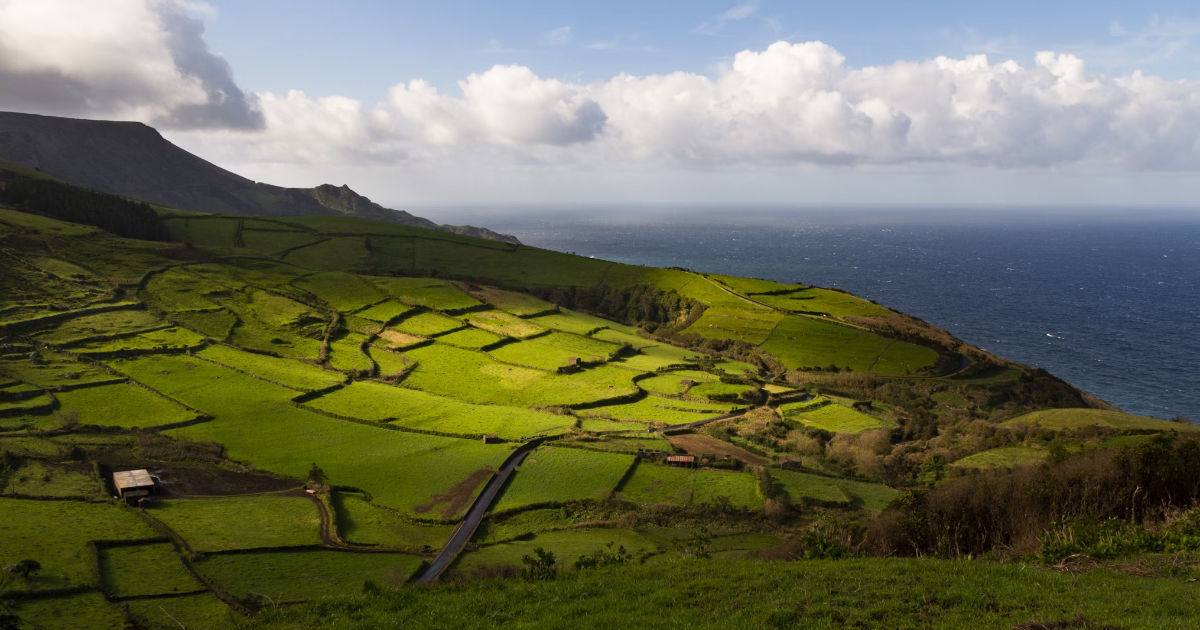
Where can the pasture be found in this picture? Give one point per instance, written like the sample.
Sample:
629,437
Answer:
553,474
420,410
302,575
361,522
503,324
428,292
653,409
655,483
290,373
802,342
1069,419
224,523
829,416
122,405
257,425
802,486
142,570
1003,457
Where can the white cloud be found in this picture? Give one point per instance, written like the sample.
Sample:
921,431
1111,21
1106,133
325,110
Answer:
560,36
716,23
788,104
141,59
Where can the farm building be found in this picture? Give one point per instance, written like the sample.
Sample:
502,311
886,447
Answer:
681,460
133,484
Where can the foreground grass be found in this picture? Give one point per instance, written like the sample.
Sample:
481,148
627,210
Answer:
869,593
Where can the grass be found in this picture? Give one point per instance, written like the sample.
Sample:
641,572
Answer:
427,324
290,373
110,323
390,363
345,292
1003,457
725,593
122,405
223,523
677,382
718,390
419,410
801,342
801,486
470,338
652,357
554,474
503,324
578,323
55,533
362,522
84,610
41,479
277,574
428,292
567,545
172,338
473,377
1068,419
653,409
752,326
334,254
140,570
520,304
346,354
555,350
830,416
190,611
629,443
384,311
257,425
654,483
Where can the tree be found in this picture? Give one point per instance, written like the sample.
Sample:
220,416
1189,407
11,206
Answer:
317,480
26,568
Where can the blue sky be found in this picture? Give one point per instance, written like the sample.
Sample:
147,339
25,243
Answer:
546,103
360,48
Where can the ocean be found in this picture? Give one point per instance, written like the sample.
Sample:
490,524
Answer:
1108,300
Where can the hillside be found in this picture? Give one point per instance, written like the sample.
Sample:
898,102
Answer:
334,405
133,160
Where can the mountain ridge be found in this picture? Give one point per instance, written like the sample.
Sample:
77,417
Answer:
132,159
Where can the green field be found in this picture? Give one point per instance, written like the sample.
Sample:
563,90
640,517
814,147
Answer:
56,533
503,324
474,377
290,373
1003,457
566,545
470,338
85,610
344,292
223,523
154,569
122,405
802,342
802,486
655,483
578,323
427,324
257,425
829,416
666,410
36,478
435,294
52,369
273,574
520,304
753,326
172,338
362,522
419,410
191,611
677,382
384,311
1068,419
555,350
554,474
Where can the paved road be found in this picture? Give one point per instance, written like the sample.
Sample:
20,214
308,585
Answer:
466,529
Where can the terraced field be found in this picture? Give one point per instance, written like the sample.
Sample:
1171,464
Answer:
261,360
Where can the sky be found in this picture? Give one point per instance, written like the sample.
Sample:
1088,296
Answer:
549,104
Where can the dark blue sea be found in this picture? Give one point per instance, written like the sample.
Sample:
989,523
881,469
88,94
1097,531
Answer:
1106,299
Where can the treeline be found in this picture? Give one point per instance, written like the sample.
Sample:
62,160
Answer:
1014,510
638,305
121,216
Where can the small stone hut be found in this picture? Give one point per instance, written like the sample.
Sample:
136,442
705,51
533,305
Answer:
133,485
